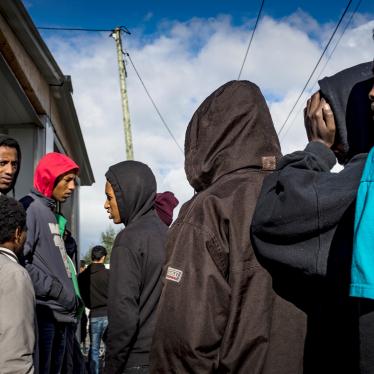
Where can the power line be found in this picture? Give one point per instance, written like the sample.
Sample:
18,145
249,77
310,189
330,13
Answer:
153,103
329,58
250,41
339,39
315,68
123,28
72,29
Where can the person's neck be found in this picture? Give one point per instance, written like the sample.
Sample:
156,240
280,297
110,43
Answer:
8,246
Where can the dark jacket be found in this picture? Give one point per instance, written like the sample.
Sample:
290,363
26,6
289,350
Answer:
135,268
303,229
43,260
93,286
303,232
218,312
45,257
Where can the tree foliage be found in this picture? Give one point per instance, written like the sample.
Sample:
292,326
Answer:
107,240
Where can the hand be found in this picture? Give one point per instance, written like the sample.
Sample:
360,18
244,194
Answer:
319,121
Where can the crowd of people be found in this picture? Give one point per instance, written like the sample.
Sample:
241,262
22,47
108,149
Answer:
268,268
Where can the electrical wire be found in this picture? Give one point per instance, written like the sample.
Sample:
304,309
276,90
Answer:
250,41
153,102
72,29
328,59
316,66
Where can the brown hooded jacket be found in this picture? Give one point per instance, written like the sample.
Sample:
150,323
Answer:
218,312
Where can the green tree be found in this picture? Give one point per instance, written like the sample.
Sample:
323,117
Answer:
107,240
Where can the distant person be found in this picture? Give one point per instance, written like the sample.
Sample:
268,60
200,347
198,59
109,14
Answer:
165,204
46,259
93,283
17,297
82,265
10,163
304,224
218,312
136,263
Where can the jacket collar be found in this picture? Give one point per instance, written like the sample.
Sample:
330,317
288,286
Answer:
10,254
49,202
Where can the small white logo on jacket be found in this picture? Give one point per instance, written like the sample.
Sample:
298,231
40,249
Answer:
174,275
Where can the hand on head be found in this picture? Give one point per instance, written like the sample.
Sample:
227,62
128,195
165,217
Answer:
319,121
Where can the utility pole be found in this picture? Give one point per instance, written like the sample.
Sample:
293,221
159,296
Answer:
116,35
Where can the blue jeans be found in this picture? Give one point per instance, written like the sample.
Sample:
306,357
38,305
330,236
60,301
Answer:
51,340
97,328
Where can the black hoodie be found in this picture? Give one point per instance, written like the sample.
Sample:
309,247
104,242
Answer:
303,230
135,268
10,142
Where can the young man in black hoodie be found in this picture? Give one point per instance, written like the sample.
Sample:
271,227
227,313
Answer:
137,259
93,285
303,224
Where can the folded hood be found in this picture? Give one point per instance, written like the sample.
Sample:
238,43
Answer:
347,93
135,188
231,130
49,168
10,142
165,204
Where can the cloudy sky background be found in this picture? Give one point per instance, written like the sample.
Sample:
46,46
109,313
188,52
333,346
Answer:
182,62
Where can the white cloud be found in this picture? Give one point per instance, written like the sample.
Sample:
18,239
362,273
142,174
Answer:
181,65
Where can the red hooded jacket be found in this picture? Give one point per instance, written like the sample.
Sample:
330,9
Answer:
49,168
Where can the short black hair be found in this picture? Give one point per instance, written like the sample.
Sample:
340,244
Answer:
82,263
97,252
12,216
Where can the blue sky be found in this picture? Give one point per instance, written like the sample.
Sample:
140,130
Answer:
184,51
146,15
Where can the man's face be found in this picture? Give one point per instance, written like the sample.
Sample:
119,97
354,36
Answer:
111,204
8,167
64,187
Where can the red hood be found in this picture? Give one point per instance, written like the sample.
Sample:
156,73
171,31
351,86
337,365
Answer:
49,168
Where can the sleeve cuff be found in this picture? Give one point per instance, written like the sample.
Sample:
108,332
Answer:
323,153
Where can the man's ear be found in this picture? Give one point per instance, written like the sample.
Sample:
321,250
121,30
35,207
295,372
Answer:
18,235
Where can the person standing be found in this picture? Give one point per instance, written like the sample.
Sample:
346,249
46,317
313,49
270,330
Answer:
304,224
10,163
46,259
218,311
93,284
17,297
136,263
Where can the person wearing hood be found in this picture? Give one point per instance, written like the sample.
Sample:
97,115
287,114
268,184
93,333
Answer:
303,227
136,263
46,259
218,312
10,163
165,203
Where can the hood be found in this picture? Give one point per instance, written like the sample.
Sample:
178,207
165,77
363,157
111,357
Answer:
10,142
135,188
231,130
347,93
49,168
165,203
